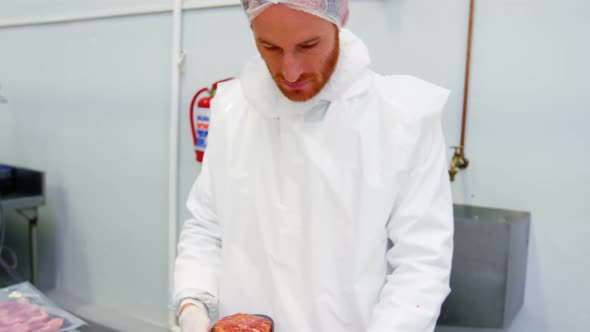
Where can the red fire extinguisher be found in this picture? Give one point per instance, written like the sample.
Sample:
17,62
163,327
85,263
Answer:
200,120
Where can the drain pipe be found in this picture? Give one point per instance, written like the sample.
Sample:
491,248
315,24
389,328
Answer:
176,63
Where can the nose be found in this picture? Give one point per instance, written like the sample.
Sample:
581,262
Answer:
291,68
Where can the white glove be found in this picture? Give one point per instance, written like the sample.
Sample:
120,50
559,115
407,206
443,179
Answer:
194,319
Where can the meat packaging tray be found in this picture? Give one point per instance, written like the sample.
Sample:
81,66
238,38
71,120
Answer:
25,309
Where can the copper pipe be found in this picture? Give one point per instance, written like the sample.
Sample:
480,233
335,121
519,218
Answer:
459,161
467,71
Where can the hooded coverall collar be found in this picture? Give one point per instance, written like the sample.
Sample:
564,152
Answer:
262,93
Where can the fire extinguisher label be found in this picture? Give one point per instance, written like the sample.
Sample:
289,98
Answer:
202,131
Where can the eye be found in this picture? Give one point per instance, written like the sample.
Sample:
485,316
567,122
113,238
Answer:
310,45
269,47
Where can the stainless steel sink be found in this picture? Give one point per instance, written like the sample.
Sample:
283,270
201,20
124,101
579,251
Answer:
489,267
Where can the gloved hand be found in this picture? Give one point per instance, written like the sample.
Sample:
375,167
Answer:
194,319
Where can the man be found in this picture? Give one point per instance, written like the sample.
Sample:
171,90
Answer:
323,200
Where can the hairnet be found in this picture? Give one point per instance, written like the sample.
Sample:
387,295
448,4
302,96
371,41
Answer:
335,11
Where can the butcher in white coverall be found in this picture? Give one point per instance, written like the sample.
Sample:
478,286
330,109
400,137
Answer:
323,200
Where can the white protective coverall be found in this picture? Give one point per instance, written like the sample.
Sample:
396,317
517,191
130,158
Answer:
330,215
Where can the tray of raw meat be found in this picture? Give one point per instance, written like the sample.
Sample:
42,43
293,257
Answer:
25,309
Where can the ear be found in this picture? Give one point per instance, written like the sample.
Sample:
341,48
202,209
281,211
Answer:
344,19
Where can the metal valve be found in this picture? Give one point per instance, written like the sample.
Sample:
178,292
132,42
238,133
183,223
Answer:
458,162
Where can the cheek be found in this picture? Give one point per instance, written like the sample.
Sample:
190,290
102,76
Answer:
273,62
317,61
310,64
315,64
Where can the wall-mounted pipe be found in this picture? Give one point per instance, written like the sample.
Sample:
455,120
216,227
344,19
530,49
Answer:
459,160
176,63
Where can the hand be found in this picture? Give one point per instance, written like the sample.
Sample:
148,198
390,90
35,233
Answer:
194,319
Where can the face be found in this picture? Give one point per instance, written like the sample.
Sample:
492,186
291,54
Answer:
300,50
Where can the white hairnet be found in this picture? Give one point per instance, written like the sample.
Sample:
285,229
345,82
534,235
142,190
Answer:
335,11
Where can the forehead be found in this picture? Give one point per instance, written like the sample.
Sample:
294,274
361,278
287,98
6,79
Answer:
283,24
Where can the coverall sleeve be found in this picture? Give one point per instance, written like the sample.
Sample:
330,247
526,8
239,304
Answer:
198,260
421,224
